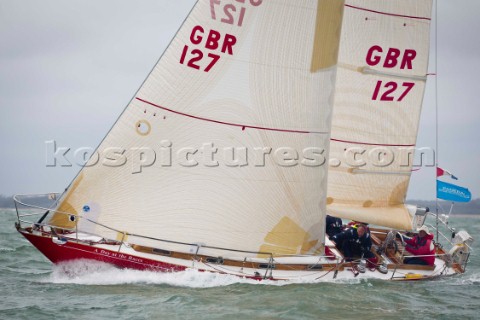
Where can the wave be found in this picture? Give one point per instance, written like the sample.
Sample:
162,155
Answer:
85,272
89,272
468,279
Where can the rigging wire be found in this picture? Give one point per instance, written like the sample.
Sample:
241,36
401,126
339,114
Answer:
436,115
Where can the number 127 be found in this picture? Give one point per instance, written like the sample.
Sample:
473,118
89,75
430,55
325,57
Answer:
387,91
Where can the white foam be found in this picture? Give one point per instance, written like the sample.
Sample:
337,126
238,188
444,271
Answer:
467,279
97,273
87,272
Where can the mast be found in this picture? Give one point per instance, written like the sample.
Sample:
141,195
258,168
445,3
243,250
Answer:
436,118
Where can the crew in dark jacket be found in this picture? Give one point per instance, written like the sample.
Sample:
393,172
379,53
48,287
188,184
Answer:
355,241
334,225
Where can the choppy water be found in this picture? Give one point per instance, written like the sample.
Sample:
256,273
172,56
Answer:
31,287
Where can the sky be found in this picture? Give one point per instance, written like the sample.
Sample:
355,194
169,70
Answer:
69,68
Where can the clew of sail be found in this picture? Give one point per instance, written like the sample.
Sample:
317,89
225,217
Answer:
381,80
222,146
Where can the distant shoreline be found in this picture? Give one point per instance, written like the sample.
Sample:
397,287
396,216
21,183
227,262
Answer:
453,215
465,215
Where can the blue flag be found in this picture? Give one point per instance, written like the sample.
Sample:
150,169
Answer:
451,192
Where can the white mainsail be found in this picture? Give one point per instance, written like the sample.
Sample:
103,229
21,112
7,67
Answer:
381,79
252,77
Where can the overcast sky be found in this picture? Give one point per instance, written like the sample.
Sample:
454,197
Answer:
68,69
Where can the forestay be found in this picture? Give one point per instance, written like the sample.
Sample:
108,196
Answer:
251,76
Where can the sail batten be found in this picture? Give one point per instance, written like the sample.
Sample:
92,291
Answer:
373,144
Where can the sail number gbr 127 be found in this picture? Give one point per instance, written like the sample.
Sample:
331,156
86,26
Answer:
206,45
213,41
231,13
391,58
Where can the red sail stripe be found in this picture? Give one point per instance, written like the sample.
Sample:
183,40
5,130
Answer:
243,126
262,128
374,144
387,13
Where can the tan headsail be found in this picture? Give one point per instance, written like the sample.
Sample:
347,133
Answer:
381,79
239,76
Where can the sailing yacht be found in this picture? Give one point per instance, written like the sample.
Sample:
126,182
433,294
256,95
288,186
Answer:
219,161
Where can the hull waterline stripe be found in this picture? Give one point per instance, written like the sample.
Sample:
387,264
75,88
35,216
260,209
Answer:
387,13
374,144
243,126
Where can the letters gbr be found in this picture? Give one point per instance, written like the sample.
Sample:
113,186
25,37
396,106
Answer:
206,45
390,58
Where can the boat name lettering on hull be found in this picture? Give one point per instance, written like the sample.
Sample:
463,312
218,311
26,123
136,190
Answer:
118,255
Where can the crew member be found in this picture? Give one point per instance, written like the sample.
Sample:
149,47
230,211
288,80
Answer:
334,225
421,245
356,241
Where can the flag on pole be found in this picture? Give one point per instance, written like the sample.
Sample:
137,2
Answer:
451,192
442,172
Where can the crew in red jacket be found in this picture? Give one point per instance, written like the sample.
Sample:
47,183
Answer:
421,245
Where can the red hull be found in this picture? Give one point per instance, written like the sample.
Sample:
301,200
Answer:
70,251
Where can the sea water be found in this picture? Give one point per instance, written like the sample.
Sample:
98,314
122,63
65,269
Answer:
33,288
